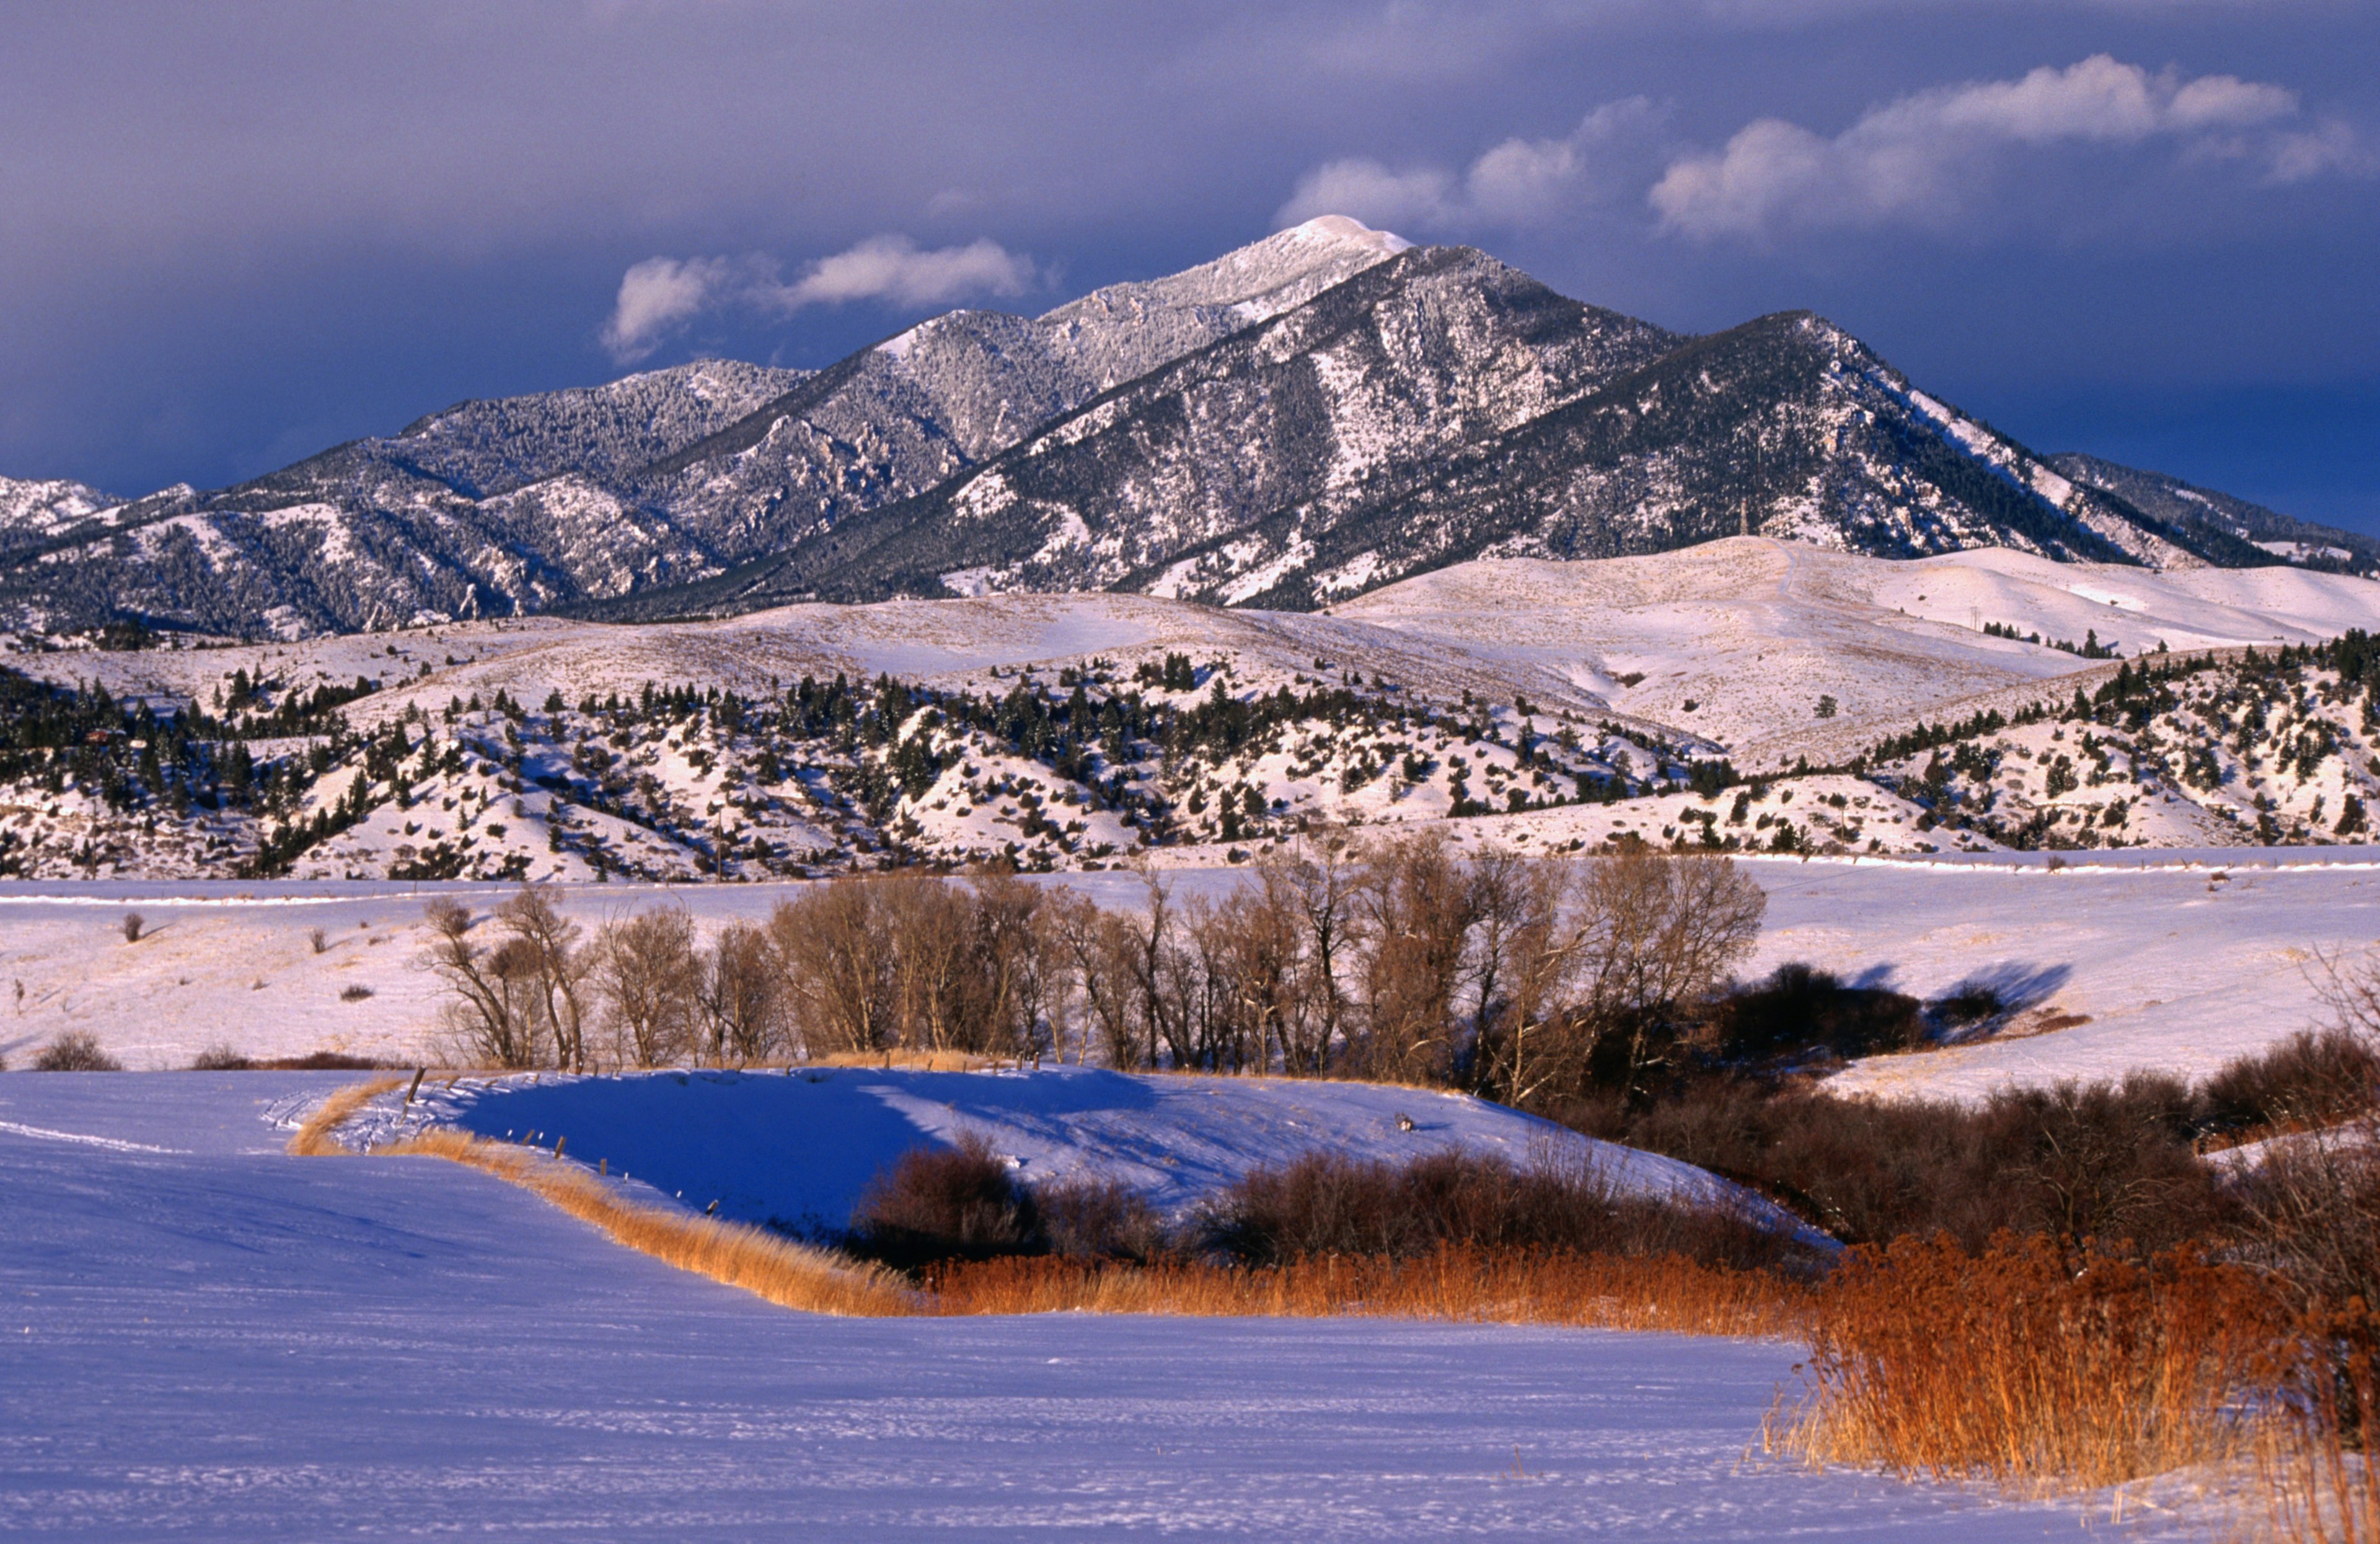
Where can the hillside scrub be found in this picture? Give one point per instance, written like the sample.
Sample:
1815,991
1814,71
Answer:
1324,1204
76,1050
938,1206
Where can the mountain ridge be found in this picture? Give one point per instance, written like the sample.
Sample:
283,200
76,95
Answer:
1297,422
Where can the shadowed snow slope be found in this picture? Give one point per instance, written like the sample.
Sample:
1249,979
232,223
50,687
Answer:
228,1343
796,1149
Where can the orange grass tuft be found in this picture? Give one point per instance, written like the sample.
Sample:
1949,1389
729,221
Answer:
789,1274
2035,1370
1455,1283
315,1138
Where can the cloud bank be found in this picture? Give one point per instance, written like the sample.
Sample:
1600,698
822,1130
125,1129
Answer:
661,295
1923,159
1517,184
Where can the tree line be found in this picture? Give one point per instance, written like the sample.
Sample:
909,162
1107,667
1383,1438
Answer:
1527,980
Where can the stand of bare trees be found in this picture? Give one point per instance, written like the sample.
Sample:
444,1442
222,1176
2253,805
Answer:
1405,960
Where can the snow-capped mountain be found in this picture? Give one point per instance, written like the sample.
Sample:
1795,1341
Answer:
487,507
1202,478
33,514
1297,422
1442,406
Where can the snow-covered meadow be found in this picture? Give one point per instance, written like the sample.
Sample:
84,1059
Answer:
208,1338
2171,960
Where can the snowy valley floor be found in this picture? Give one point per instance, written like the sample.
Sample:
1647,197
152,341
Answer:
207,1338
2174,960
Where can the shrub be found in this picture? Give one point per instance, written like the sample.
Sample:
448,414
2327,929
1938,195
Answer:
1095,1218
76,1050
132,927
221,1057
2313,1078
942,1204
354,992
2111,1161
1800,1008
1968,1002
1324,1204
328,1061
318,938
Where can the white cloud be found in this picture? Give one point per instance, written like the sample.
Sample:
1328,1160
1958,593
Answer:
1519,183
892,268
1421,199
660,296
1921,159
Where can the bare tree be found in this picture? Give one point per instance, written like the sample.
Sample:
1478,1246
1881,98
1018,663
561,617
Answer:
927,929
492,1015
741,996
1008,983
1651,934
835,948
1098,947
1141,948
1320,882
646,976
559,968
1520,969
1418,910
1250,952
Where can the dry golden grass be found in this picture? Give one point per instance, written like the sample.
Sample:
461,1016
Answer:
789,1274
2032,1369
920,1060
1457,1284
314,1139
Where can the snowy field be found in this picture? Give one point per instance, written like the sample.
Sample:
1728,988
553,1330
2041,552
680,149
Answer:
2176,961
211,1340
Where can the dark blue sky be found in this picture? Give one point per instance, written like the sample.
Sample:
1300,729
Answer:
234,235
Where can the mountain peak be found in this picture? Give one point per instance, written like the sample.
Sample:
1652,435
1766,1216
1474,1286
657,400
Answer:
1259,280
1340,228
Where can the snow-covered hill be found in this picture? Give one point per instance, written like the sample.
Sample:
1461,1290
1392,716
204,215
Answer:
1909,706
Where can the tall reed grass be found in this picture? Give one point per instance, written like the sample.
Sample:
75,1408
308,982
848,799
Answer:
2315,1461
1458,1283
2035,1367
